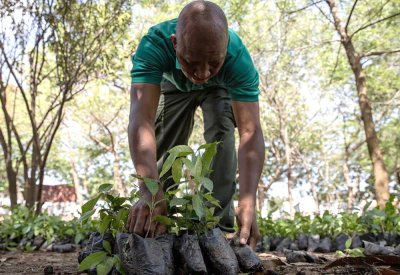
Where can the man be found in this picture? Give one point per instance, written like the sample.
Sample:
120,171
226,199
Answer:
182,64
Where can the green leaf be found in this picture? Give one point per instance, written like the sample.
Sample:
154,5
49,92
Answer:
78,238
92,260
208,156
104,188
177,170
163,219
118,201
123,215
152,185
197,167
87,215
348,243
206,183
211,199
178,201
107,246
104,224
181,150
118,265
198,206
189,164
89,204
168,163
26,229
104,267
340,253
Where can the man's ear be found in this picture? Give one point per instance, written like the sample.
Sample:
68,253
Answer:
174,41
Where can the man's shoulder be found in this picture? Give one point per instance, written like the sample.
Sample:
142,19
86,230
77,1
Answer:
235,43
163,29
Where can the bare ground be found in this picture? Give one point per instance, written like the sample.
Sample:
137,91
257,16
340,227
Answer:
66,263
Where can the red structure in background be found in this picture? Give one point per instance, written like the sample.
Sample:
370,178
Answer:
58,193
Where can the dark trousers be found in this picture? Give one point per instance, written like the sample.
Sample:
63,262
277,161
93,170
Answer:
174,125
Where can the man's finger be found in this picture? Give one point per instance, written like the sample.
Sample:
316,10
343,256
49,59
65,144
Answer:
132,223
139,225
132,220
160,229
147,227
253,242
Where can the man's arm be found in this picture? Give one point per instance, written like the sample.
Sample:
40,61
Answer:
141,133
142,144
250,160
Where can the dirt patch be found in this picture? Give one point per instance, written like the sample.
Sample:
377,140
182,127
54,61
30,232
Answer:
273,262
36,262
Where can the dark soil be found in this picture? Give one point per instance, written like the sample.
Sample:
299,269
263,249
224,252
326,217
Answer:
36,262
274,263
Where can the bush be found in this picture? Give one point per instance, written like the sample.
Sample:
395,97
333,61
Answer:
24,224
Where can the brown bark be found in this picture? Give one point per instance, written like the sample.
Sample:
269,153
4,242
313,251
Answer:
288,156
117,175
116,167
12,183
350,189
77,181
260,195
314,194
354,58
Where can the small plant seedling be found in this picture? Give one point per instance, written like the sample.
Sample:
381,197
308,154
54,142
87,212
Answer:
104,261
355,252
113,214
189,199
113,218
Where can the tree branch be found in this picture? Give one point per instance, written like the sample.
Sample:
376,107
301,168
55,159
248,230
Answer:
374,23
323,13
305,7
366,54
336,64
351,13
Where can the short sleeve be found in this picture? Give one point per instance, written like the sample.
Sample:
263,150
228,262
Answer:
241,75
149,62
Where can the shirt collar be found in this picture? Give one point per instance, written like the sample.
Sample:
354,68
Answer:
177,65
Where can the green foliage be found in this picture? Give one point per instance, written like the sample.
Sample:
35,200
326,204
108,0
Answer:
113,210
189,199
23,223
104,261
373,221
355,252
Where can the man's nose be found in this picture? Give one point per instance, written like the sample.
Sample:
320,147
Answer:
202,72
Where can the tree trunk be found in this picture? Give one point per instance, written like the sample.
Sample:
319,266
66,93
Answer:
379,169
12,183
314,194
350,189
117,175
260,196
288,155
77,181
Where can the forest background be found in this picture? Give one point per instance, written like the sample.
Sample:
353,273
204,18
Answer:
329,83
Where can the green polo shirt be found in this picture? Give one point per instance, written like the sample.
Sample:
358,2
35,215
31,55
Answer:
155,59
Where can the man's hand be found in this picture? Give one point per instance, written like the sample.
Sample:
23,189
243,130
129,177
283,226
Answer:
141,220
246,219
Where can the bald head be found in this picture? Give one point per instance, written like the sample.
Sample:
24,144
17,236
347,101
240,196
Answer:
201,40
203,20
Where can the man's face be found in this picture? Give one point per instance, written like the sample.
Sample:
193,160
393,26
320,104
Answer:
200,59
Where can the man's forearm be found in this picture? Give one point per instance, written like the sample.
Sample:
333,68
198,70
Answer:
142,144
141,132
250,160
